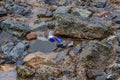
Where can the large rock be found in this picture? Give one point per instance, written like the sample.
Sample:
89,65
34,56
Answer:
42,46
96,56
17,9
75,26
17,28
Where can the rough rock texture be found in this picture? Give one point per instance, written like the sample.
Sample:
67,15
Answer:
75,26
93,55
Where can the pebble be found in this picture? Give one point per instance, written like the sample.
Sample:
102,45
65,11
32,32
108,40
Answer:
82,12
77,49
100,78
100,4
31,36
3,12
70,44
61,10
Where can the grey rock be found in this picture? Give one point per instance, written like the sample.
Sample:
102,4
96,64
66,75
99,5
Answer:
96,54
17,9
42,12
49,13
84,44
118,49
17,28
75,26
5,37
70,44
118,37
42,46
100,78
3,12
61,10
61,55
7,48
77,49
42,26
51,2
100,4
18,51
94,73
8,75
82,12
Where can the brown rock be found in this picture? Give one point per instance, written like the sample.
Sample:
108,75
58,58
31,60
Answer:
31,36
52,7
37,59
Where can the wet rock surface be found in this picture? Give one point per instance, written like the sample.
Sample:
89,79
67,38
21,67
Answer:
59,40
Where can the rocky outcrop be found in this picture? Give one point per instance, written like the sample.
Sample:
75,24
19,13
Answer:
75,26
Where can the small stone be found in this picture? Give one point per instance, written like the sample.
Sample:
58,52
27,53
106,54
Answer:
82,12
52,7
19,50
77,49
100,78
7,48
3,12
62,10
118,49
61,55
100,4
42,12
39,26
94,73
118,37
70,44
49,13
42,46
31,36
50,2
25,72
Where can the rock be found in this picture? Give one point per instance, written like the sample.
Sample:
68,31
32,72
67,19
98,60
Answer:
42,46
42,26
70,44
17,9
96,54
77,49
61,10
31,36
50,2
94,73
84,44
46,70
61,55
82,12
3,12
118,49
6,37
8,75
37,59
93,56
100,78
25,72
42,12
100,4
52,7
74,26
118,37
17,28
7,60
49,13
18,51
7,47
